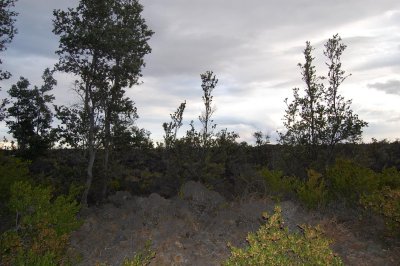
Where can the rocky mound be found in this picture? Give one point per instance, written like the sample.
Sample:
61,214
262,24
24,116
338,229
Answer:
192,229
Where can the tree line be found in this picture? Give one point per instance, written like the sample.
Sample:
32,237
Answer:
103,44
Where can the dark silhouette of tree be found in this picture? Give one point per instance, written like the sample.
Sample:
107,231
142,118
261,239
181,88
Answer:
321,116
103,43
31,116
261,139
304,118
171,128
7,32
342,125
208,84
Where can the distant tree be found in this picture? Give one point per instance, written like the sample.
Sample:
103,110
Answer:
31,117
171,128
102,42
341,123
208,84
7,32
304,118
261,139
321,116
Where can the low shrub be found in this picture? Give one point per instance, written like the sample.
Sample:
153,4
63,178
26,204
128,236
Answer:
142,258
42,228
385,202
313,192
277,184
272,244
347,181
12,169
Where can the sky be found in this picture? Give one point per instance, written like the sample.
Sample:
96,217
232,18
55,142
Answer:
253,47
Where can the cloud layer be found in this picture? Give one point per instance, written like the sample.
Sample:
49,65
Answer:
252,46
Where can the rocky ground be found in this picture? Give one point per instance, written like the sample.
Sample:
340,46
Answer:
195,227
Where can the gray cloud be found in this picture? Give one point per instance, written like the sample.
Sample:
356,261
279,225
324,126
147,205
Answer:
252,46
390,86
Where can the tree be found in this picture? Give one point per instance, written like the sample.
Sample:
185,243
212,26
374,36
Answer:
208,84
261,139
7,29
171,128
341,123
103,43
31,123
304,118
321,116
7,32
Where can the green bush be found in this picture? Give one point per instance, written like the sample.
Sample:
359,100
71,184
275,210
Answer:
142,258
390,177
313,192
385,202
277,184
348,181
272,244
43,226
11,170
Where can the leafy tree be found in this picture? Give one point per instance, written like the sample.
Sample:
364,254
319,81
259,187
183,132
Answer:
31,123
261,139
7,29
341,123
7,32
102,42
208,84
304,118
321,116
171,128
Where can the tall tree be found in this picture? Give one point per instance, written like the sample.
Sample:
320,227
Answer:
322,116
171,128
7,32
31,117
341,123
7,29
208,84
104,43
304,118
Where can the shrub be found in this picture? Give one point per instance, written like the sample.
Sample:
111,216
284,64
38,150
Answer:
272,244
313,192
141,258
348,181
390,177
385,202
43,226
11,170
277,184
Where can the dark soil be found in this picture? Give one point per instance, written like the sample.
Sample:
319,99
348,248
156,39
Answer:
195,227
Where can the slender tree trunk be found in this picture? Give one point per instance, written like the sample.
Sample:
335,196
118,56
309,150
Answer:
107,137
89,106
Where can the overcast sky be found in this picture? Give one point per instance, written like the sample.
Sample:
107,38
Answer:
252,46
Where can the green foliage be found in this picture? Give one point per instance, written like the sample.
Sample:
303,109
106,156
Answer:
272,244
385,202
313,192
43,225
319,114
348,180
31,116
171,128
7,32
390,177
12,169
277,184
208,84
141,258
